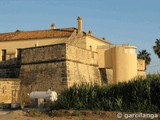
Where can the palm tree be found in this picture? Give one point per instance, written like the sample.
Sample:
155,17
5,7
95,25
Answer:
145,56
156,48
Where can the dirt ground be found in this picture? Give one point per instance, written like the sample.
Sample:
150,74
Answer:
66,115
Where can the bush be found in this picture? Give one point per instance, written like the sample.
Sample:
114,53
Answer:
135,96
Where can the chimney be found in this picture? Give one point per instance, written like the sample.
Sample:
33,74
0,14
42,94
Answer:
90,32
79,19
53,26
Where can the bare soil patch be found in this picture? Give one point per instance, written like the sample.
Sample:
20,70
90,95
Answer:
64,115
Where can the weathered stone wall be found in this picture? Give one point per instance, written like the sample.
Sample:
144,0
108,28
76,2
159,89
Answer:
43,68
81,66
9,72
81,55
41,77
9,90
10,68
42,54
106,76
58,67
78,73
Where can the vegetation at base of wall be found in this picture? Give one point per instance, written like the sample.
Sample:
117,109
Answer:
135,96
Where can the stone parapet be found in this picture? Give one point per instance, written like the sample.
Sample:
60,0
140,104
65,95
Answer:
43,54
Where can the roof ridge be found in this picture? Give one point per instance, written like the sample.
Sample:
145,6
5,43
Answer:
58,29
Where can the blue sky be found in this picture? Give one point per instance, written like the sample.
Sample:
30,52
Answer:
135,22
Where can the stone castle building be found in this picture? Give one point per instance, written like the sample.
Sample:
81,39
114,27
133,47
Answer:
58,58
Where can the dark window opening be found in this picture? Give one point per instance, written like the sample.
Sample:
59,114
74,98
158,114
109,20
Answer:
4,55
90,47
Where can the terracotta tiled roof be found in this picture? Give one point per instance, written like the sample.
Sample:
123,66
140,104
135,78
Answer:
39,34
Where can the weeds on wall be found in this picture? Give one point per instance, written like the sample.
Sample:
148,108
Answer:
135,96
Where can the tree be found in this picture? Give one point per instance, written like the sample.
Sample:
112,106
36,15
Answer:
145,56
156,48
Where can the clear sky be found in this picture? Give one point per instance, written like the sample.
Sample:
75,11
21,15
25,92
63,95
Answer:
135,22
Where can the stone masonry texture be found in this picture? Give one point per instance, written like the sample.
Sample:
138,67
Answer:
57,67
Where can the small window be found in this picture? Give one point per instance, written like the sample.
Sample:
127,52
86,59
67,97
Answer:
90,47
4,55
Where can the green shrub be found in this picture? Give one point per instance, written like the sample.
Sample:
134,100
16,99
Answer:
135,96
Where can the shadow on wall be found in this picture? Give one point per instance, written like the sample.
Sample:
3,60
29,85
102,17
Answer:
10,68
103,76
